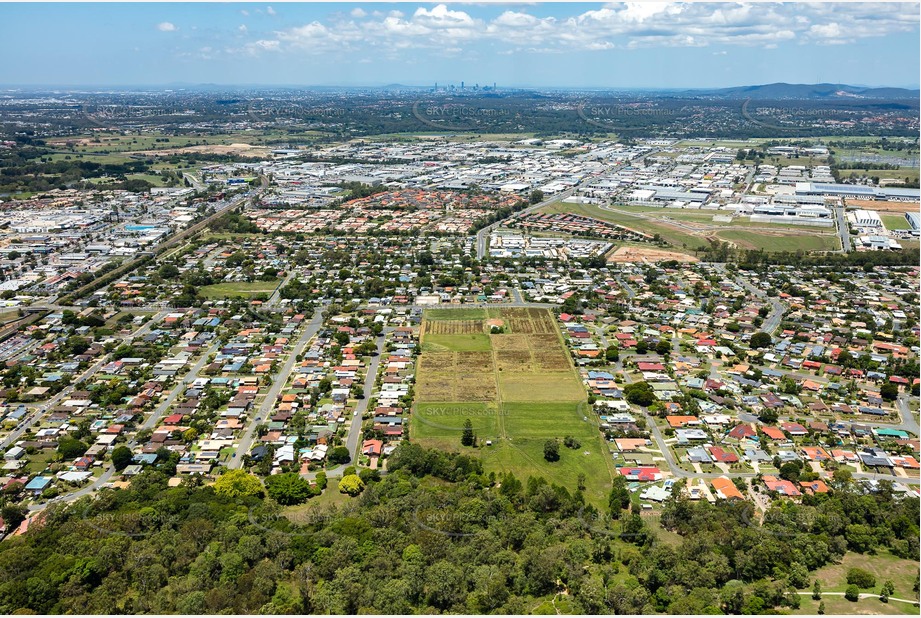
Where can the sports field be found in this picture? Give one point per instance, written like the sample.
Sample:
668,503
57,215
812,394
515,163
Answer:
517,388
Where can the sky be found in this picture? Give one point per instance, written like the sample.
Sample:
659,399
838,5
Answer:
620,45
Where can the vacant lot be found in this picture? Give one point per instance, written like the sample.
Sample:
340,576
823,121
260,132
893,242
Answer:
518,389
691,229
814,241
640,254
456,343
239,289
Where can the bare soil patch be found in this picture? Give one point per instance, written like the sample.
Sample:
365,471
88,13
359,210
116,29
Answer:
638,254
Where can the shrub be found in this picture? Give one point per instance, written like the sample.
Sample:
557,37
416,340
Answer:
861,578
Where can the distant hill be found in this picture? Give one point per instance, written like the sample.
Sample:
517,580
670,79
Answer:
810,91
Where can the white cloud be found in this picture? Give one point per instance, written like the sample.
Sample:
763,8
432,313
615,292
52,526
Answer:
244,13
270,10
165,26
242,28
629,25
826,31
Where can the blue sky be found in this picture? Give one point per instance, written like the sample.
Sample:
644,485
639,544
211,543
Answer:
641,45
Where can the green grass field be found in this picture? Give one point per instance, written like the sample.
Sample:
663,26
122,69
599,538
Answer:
461,313
833,577
895,222
445,421
747,239
539,397
839,606
239,289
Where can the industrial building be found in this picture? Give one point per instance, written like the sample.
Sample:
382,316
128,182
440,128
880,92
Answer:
857,191
865,219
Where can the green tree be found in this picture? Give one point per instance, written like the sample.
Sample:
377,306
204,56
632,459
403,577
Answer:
340,455
467,436
168,271
619,498
288,488
121,457
760,340
852,593
612,354
70,448
889,391
640,393
817,590
13,515
551,450
238,484
351,484
861,578
790,471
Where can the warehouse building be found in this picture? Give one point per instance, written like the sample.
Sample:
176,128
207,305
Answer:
858,191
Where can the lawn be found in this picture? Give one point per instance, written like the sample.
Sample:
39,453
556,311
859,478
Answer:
903,173
902,572
445,421
524,457
241,289
895,222
457,376
548,420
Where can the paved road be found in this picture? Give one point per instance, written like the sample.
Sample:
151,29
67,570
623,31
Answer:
483,234
909,422
843,232
627,287
370,378
276,295
279,380
194,181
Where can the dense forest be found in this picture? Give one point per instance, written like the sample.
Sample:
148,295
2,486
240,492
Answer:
434,535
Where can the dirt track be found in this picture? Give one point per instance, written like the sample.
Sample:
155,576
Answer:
899,207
